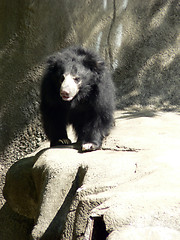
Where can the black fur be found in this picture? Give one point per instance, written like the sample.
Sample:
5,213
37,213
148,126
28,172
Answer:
91,111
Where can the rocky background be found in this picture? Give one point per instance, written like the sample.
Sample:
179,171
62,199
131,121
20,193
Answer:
139,39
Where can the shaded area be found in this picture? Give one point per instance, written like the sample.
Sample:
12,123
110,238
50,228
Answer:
99,229
27,38
137,114
13,224
56,227
148,66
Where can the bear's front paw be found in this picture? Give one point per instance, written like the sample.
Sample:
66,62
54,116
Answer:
87,147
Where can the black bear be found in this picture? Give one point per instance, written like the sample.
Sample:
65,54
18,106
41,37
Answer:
77,89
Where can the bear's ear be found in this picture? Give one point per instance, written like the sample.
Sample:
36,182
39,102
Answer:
55,63
52,63
93,64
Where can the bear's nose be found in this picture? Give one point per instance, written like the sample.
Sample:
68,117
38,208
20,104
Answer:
65,95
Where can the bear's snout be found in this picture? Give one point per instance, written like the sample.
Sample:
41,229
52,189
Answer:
69,88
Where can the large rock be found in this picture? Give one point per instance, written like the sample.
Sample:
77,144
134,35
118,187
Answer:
131,187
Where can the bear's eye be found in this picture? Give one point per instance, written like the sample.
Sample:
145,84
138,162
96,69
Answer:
76,79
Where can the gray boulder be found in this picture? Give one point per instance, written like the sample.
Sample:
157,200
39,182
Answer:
130,187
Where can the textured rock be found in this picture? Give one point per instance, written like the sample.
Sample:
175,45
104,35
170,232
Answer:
23,197
131,186
149,233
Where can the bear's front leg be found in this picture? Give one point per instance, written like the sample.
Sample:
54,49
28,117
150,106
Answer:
91,140
59,136
90,130
54,122
56,132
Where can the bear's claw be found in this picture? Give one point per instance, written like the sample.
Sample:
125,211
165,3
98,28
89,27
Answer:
65,141
88,147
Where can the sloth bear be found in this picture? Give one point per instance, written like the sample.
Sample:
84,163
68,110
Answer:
77,89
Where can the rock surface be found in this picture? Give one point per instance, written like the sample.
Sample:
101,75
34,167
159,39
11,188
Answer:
128,189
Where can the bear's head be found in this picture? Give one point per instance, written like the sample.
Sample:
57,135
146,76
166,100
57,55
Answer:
76,70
